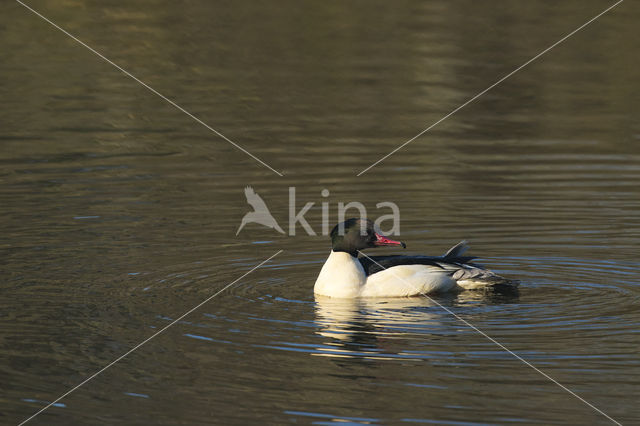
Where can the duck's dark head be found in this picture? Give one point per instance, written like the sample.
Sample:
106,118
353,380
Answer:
355,234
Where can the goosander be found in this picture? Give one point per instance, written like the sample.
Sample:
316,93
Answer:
345,275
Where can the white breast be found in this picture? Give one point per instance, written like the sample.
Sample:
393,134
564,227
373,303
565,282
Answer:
341,276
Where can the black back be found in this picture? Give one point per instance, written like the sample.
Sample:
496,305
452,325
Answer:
373,264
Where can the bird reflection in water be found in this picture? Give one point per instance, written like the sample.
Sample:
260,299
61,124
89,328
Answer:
376,328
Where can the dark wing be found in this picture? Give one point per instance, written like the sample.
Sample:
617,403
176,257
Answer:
457,250
455,255
373,264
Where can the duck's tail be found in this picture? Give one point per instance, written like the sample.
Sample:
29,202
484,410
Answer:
471,276
482,279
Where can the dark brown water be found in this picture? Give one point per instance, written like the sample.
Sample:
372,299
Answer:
119,212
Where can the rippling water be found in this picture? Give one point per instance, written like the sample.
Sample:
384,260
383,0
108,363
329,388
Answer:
120,212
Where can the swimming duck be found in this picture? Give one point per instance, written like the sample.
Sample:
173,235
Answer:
346,275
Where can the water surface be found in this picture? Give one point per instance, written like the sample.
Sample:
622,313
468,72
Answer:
119,212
